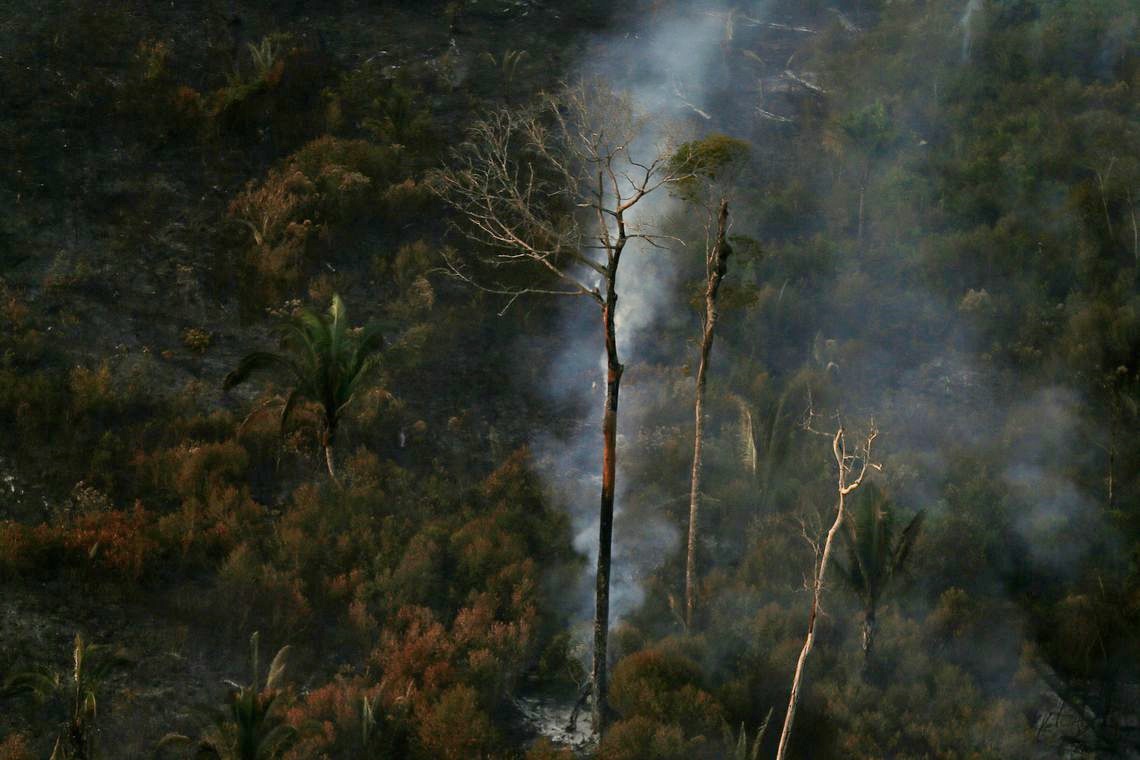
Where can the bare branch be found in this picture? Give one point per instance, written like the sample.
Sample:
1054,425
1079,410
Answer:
547,185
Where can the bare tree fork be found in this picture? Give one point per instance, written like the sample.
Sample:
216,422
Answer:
555,188
851,469
716,266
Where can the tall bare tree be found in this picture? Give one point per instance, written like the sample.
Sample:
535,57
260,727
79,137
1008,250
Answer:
710,166
716,269
558,190
850,470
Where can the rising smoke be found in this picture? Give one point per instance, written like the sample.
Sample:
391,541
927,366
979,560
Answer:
666,66
930,402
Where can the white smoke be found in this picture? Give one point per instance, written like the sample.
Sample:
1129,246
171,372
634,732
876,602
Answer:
666,67
1057,519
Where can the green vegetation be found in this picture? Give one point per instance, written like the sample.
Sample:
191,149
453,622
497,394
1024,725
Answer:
250,728
876,557
74,695
933,232
327,363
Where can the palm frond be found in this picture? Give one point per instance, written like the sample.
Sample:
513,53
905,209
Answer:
351,384
338,325
327,364
298,339
370,340
257,361
40,685
876,554
277,669
171,741
276,742
291,400
906,542
254,655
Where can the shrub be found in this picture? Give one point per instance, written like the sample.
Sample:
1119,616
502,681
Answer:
326,185
663,684
346,718
416,653
196,339
91,392
265,596
119,541
15,747
455,727
544,749
641,737
18,550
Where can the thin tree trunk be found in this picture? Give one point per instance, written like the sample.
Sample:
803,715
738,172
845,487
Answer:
329,463
839,450
606,514
1135,230
1112,434
868,631
1102,181
717,266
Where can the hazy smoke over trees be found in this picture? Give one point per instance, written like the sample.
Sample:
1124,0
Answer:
910,360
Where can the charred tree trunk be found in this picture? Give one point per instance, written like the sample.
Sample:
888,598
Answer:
606,514
716,267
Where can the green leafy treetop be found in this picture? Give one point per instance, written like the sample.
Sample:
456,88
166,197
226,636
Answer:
325,362
876,553
710,163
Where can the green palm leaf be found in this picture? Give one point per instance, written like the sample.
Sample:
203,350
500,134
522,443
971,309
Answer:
260,360
323,360
876,556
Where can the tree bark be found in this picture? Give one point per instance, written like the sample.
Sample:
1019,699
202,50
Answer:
844,488
868,631
327,445
716,267
606,514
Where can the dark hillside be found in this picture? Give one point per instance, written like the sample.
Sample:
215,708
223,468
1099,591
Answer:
932,233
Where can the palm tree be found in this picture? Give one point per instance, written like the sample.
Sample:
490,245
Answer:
875,554
73,693
249,728
737,744
325,362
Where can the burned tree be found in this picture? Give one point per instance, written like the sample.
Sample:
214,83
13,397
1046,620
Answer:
553,190
709,167
850,471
